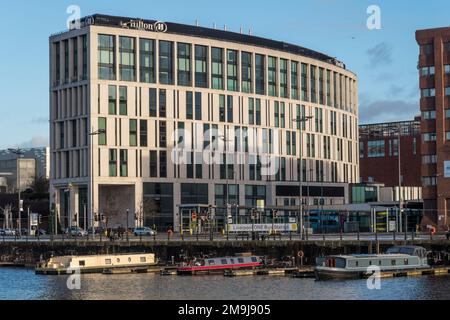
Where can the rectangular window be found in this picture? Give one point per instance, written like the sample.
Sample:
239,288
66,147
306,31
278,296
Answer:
260,83
429,92
375,149
217,68
283,78
304,84
427,48
127,52
112,100
232,65
152,102
258,112
162,134
222,108
276,110
112,162
143,133
321,87
201,66
251,111
198,106
272,76
318,119
106,57
428,137
85,58
429,181
184,64
124,163
313,84
102,136
189,105
162,103
190,165
163,164
147,60
246,72
429,159
294,80
165,62
133,132
153,164
75,59
123,101
447,135
427,71
447,69
282,115
328,88
230,109
447,113
427,115
447,91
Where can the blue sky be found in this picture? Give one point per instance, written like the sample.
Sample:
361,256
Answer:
385,60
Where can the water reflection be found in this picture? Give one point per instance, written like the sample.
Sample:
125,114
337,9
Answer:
24,284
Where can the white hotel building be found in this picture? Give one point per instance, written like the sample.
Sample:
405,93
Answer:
137,84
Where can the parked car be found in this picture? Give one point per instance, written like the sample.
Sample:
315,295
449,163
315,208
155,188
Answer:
144,231
76,231
42,232
7,232
96,230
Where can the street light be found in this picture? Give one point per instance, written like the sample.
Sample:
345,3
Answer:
91,151
19,153
225,140
300,121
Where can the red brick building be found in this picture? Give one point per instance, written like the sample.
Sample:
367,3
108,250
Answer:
378,153
434,73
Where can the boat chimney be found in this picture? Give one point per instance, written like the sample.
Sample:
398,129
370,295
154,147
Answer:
250,32
240,31
225,27
196,22
214,26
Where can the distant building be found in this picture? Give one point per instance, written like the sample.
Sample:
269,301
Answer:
378,154
434,81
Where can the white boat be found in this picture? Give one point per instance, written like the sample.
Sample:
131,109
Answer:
96,263
356,266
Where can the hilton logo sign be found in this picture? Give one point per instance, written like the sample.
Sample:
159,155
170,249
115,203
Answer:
141,25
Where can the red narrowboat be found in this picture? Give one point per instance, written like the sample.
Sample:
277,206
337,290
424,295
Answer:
216,265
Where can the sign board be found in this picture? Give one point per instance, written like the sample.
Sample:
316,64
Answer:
392,226
292,220
446,169
260,204
34,219
264,227
20,205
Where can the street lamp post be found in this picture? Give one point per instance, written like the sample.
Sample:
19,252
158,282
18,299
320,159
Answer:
91,156
228,208
128,213
300,121
19,153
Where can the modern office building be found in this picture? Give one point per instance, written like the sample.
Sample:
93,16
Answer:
18,173
379,158
42,156
434,74
149,116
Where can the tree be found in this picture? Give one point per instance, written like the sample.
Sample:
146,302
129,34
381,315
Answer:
41,187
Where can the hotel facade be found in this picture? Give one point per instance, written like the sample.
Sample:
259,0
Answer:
149,116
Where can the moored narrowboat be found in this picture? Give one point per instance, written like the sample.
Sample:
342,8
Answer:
218,265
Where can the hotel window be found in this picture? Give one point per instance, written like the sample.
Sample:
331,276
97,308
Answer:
288,143
189,105
336,85
102,136
222,108
447,135
276,111
429,92
217,68
375,149
162,103
66,61
230,109
393,147
427,71
260,85
147,60
123,101
58,62
162,134
429,159
127,59
153,164
165,62
427,115
152,102
184,64
198,106
447,113
304,83
246,72
427,137
198,165
301,112
333,119
251,111
294,143
75,59
163,164
429,181
124,163
328,88
427,48
190,165
143,133
112,100
201,66
447,91
258,112
232,65
133,132
447,68
294,80
321,87
282,115
272,76
284,78
85,57
313,84
106,57
318,119
112,162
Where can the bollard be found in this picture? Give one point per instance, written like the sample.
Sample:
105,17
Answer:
340,234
